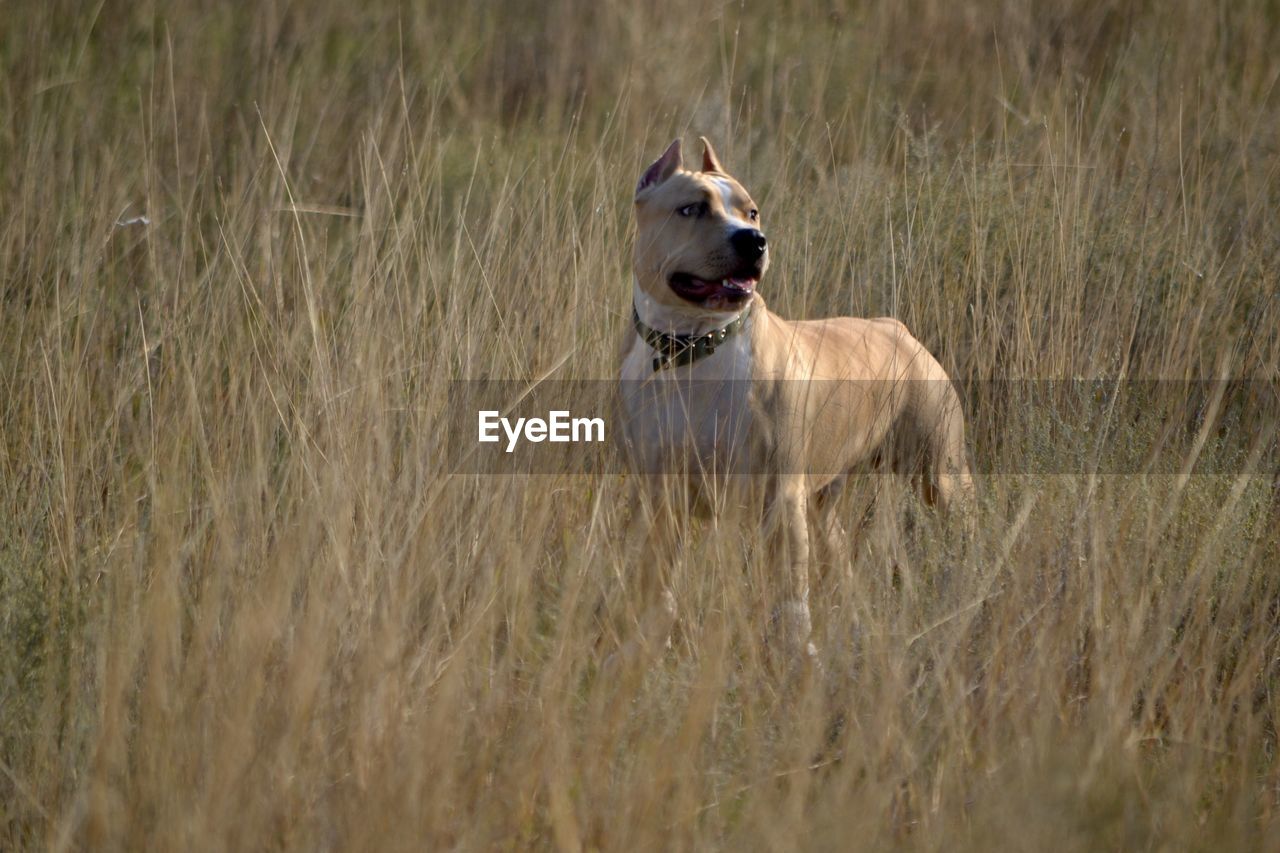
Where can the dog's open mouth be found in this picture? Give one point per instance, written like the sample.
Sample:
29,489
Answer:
721,293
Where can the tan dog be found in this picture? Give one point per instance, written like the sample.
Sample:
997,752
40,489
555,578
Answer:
719,391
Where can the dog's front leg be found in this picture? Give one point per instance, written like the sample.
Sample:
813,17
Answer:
651,537
656,560
790,524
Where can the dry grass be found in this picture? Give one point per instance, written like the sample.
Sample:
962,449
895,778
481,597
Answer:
243,605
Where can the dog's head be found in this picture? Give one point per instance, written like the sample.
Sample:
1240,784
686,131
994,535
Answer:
698,237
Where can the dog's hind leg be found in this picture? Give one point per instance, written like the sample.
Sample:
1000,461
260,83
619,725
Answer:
947,481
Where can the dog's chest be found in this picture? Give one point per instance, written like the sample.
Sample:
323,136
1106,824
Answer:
690,419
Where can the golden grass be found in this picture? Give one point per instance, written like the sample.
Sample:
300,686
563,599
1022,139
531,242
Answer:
244,605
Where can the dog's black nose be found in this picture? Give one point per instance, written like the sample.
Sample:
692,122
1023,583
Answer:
749,243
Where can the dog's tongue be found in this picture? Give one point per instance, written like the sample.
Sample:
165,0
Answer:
725,291
724,285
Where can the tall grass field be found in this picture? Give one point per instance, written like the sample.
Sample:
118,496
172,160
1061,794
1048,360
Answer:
248,601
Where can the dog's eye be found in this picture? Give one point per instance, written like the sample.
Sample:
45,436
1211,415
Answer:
690,209
753,215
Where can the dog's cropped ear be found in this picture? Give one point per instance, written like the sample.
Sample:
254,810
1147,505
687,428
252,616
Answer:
662,168
710,163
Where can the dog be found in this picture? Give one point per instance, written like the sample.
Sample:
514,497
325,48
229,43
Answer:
719,392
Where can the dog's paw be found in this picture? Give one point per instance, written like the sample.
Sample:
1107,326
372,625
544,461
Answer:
664,612
794,625
793,630
651,639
